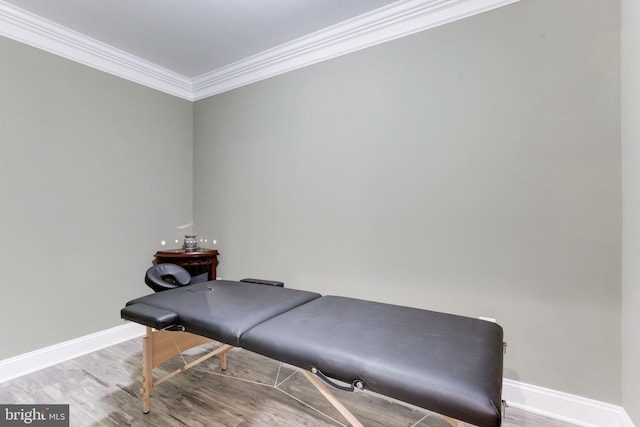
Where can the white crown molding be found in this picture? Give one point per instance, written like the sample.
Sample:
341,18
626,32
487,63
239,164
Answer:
25,27
397,20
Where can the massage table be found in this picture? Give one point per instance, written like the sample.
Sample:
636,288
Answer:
448,364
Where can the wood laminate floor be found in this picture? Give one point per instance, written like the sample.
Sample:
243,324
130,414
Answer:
102,389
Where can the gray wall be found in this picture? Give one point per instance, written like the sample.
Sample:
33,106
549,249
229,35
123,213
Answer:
94,172
474,168
631,208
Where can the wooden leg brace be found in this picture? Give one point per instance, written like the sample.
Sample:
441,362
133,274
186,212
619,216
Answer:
160,346
332,399
318,384
454,422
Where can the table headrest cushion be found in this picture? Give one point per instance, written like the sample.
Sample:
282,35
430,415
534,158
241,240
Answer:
165,276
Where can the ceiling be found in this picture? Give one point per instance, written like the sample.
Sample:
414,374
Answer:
192,37
196,48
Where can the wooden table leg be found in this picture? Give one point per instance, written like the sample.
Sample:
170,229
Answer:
454,422
147,371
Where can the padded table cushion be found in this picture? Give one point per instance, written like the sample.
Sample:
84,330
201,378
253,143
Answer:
149,315
220,310
446,363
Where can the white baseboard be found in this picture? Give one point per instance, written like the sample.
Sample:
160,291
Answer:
550,403
563,406
35,360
